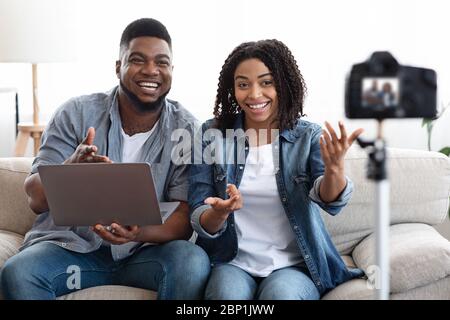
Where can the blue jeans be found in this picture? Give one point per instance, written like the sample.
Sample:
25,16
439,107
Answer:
177,270
228,282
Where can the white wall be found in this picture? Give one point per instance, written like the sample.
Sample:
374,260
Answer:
326,37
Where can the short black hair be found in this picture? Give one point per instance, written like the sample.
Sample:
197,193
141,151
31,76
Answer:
289,83
144,27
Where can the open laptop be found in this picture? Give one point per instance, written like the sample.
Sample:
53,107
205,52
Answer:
85,194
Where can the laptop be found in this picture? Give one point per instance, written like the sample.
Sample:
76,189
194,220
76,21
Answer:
85,194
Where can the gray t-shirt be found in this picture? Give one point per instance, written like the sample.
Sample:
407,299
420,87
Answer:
66,130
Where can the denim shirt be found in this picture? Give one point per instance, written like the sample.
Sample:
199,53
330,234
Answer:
298,173
66,130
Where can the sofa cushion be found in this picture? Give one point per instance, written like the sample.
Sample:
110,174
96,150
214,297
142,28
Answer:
110,293
355,289
15,214
419,255
438,290
419,192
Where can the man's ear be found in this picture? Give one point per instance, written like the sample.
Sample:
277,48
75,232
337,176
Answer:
118,64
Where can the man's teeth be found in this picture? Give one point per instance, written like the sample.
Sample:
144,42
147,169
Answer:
258,106
148,84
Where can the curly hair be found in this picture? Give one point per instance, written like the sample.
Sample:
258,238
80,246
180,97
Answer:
289,83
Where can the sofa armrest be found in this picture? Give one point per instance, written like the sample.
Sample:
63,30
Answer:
15,214
419,255
10,243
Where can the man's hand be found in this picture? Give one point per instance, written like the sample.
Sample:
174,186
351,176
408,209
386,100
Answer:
117,234
225,207
86,151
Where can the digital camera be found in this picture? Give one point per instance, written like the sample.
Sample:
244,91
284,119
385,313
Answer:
382,88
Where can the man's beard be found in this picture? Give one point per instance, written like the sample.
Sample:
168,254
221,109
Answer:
143,107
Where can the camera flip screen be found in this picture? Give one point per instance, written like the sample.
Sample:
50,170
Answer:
380,93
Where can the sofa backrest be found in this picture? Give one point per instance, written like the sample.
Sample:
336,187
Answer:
15,214
419,192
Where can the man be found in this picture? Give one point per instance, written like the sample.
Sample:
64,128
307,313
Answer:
131,123
371,96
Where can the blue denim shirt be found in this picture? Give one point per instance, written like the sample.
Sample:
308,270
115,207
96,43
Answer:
298,172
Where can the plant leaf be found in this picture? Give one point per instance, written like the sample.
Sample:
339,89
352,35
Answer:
445,151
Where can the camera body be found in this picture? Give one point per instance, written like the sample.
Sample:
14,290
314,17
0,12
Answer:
382,88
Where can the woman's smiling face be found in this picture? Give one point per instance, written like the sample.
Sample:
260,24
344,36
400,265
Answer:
255,92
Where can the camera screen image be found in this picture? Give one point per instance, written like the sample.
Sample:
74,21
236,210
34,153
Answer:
380,92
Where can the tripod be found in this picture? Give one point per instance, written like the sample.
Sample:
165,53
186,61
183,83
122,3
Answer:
376,171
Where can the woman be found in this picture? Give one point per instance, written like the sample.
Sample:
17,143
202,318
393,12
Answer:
259,219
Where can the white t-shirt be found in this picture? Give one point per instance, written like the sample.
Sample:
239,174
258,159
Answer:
132,145
266,241
131,152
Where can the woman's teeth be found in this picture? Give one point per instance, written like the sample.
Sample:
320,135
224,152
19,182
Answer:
257,106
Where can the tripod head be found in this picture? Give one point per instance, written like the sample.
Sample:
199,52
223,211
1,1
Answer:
376,167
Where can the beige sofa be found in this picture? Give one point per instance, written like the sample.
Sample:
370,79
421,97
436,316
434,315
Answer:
420,256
